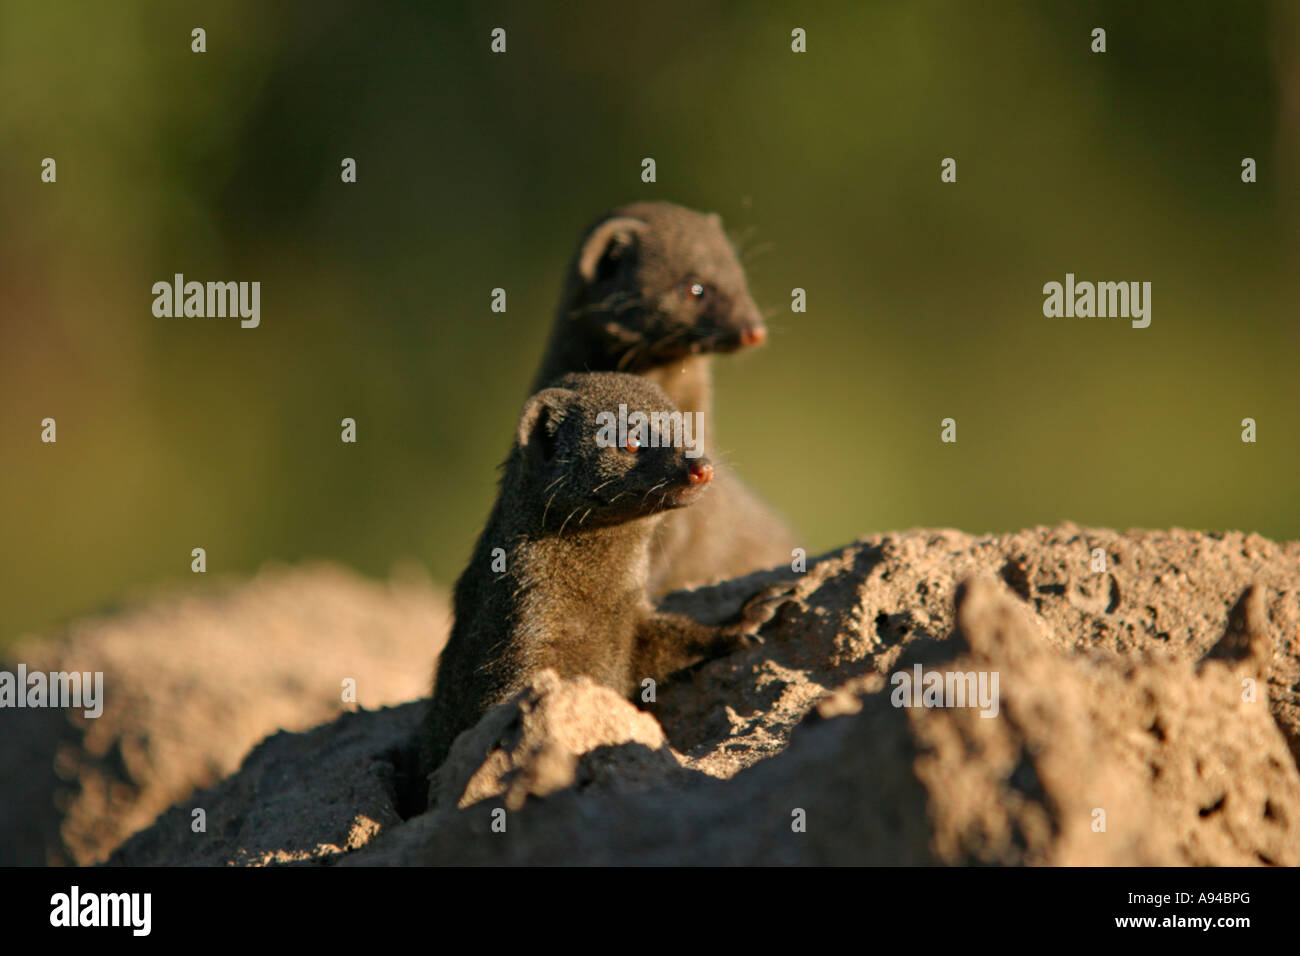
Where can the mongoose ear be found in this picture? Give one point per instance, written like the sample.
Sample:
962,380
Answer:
606,245
540,422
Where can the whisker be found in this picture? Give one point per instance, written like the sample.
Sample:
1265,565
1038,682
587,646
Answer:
632,302
653,490
741,237
663,548
547,509
634,352
617,301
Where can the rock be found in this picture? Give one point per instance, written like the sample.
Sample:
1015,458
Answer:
298,797
191,684
1145,713
556,735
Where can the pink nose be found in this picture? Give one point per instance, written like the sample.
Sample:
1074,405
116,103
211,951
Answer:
755,335
700,473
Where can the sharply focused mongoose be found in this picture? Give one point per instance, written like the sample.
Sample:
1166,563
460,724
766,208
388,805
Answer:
655,289
568,588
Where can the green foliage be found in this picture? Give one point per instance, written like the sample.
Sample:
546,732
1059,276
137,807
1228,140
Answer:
477,171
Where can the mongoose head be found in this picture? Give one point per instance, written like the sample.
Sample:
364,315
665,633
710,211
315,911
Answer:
577,469
652,283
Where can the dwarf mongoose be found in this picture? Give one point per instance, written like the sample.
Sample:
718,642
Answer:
573,518
655,289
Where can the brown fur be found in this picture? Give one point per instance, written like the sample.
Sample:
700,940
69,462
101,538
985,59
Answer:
575,521
628,305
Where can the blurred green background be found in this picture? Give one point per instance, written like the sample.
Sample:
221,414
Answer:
477,171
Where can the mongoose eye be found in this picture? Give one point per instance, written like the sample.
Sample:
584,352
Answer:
633,444
693,289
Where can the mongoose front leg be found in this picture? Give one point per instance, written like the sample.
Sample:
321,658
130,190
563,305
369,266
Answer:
666,643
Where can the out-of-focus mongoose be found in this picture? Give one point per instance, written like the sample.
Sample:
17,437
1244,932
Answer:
655,289
574,518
